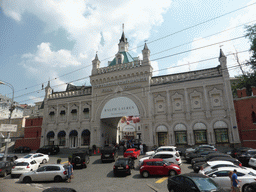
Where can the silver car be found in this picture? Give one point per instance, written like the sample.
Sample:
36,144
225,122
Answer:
50,172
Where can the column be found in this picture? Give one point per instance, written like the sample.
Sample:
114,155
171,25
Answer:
207,107
187,104
169,111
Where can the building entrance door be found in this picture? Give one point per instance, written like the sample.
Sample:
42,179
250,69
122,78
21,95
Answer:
162,139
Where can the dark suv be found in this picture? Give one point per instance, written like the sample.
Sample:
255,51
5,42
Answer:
5,168
108,153
80,159
49,149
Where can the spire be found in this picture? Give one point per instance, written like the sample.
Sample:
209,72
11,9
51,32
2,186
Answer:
145,46
48,85
123,39
221,53
96,56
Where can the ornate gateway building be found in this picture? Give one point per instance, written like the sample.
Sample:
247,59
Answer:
125,101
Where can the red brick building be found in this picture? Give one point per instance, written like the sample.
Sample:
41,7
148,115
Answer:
245,107
32,133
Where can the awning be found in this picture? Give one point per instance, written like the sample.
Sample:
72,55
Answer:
129,128
62,112
62,133
161,128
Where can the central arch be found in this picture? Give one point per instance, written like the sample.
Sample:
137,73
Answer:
110,115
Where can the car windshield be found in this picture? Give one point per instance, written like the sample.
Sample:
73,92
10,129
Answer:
206,184
27,156
211,171
2,164
128,151
22,164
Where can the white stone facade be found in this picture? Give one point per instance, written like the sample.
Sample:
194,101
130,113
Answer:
177,109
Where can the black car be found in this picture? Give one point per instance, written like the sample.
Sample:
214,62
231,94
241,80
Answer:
208,157
192,182
245,156
22,149
197,166
80,159
49,149
123,165
250,187
237,151
5,168
109,153
197,153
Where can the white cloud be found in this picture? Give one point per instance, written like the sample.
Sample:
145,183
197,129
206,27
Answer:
228,47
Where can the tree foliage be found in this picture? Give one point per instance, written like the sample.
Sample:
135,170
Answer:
251,35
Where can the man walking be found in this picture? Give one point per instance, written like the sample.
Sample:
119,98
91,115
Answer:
141,149
235,181
70,171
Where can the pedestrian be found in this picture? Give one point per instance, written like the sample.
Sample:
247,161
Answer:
70,171
141,149
235,182
230,176
201,170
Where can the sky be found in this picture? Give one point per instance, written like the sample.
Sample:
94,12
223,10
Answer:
57,40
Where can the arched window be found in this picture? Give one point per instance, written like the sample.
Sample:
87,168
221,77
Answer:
85,137
221,132
200,133
180,131
62,138
50,138
253,117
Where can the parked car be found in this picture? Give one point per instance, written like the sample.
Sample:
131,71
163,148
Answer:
49,149
252,161
162,148
237,151
189,182
251,187
210,165
38,157
188,150
168,156
197,166
5,168
80,159
220,176
158,167
23,167
244,157
109,153
199,152
50,172
22,149
208,157
132,152
9,157
123,165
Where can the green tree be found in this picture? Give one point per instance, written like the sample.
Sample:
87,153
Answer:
251,35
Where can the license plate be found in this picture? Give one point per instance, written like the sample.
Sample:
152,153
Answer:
19,168
106,155
78,164
120,168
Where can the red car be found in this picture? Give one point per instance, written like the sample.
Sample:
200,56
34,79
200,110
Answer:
158,167
132,152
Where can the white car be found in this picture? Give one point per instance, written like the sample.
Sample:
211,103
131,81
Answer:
168,156
220,176
252,161
23,167
162,148
38,157
50,172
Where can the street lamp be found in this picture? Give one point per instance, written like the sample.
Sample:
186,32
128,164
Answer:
11,110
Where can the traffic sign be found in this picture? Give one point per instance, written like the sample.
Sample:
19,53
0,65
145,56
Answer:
8,128
7,140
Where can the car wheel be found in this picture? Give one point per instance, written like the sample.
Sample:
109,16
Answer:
248,188
27,180
145,174
57,178
44,161
172,173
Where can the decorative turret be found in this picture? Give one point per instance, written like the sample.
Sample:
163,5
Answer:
123,44
146,55
95,65
223,60
48,90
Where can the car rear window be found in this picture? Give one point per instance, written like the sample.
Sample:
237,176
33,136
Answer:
122,161
206,184
128,151
22,164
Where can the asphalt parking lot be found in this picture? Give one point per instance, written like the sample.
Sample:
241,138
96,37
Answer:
96,177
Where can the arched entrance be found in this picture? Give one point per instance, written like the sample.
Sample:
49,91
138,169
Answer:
73,140
62,138
111,114
162,135
85,137
50,138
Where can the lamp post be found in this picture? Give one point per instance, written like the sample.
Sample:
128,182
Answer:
12,107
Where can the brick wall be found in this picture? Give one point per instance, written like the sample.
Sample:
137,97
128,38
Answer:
33,143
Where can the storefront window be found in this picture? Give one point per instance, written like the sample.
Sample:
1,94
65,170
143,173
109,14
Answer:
200,136
181,137
85,139
62,141
221,135
162,139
